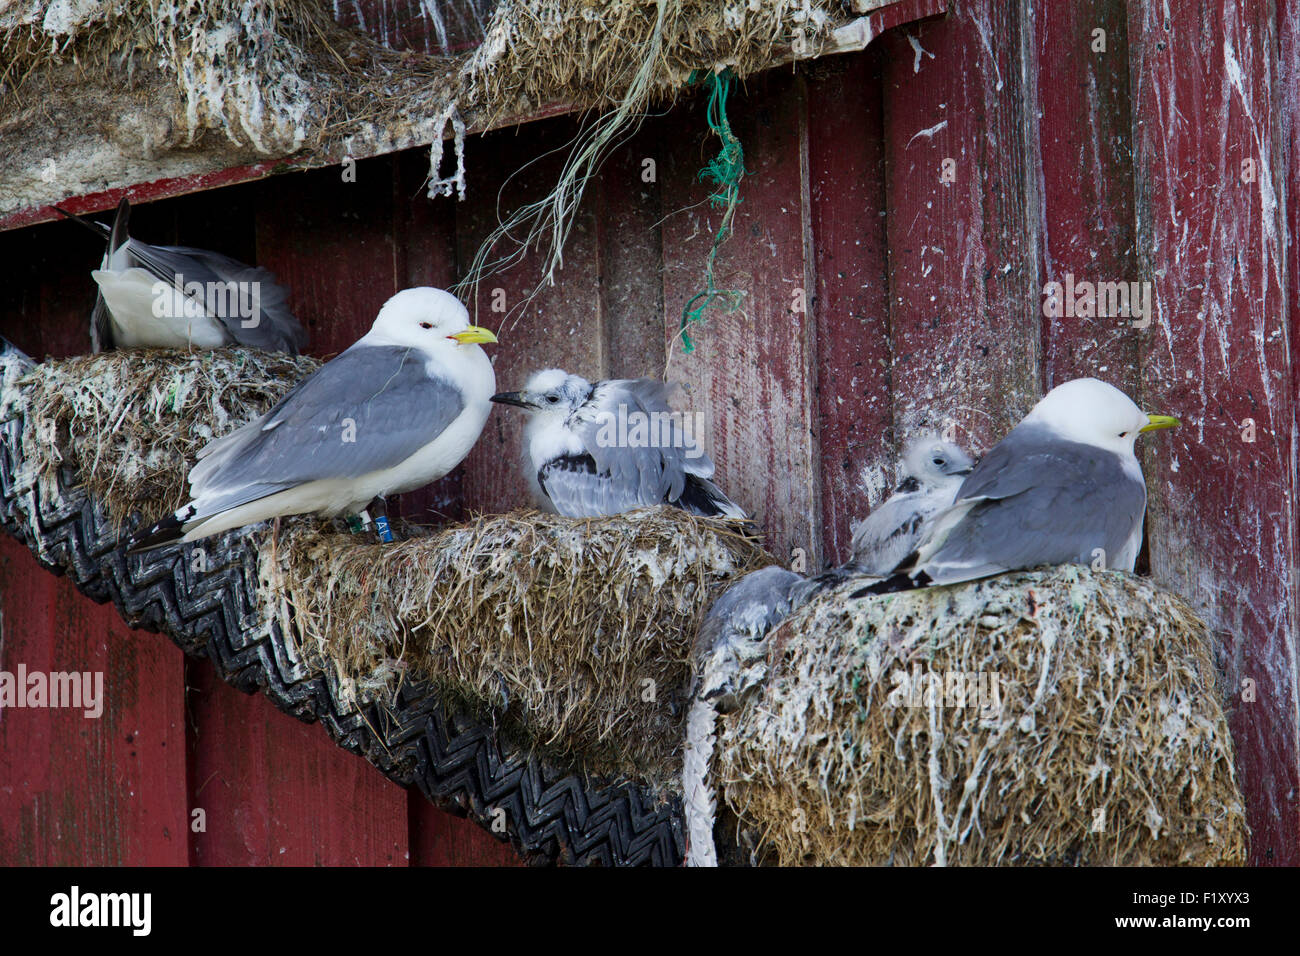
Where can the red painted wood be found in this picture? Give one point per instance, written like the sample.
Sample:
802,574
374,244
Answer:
962,254
78,790
904,11
424,239
1085,141
847,189
442,839
559,328
75,790
437,28
331,242
277,792
1040,195
1288,19
627,214
760,359
1223,516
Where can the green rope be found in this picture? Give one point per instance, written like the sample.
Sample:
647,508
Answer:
724,172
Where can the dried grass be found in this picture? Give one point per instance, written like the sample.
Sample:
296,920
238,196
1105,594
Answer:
576,633
1108,716
284,75
131,422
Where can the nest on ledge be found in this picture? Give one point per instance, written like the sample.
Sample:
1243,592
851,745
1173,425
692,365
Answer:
575,633
1058,717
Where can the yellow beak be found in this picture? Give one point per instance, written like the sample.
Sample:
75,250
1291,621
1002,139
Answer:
474,333
1159,421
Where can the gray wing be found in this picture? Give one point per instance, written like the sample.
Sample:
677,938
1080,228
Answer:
578,489
731,643
658,469
275,329
750,606
1034,500
890,533
369,409
101,327
613,477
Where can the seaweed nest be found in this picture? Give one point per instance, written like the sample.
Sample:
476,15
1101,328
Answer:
1051,717
574,632
131,422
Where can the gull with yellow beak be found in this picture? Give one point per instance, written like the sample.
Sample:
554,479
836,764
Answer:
397,410
1063,487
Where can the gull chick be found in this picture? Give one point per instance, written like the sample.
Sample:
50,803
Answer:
1063,487
181,297
933,470
594,450
399,409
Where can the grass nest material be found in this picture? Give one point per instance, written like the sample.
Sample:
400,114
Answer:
284,75
1105,743
575,632
131,422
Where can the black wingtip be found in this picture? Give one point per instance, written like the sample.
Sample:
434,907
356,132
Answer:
98,228
117,235
893,584
702,497
168,531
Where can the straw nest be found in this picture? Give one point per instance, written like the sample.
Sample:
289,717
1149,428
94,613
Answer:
281,76
575,633
1101,742
131,422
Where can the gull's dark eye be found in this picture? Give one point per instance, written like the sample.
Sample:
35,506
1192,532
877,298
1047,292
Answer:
1123,434
426,325
552,398
937,461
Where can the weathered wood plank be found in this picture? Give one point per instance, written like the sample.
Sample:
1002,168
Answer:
627,214
1085,146
964,223
751,375
1222,520
277,792
439,28
331,242
560,327
78,790
847,191
442,839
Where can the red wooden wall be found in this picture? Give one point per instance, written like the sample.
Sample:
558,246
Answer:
923,307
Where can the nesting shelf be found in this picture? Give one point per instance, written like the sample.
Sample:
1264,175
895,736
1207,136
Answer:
417,738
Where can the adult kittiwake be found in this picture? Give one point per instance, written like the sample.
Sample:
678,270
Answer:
933,470
399,409
593,450
1063,487
181,297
